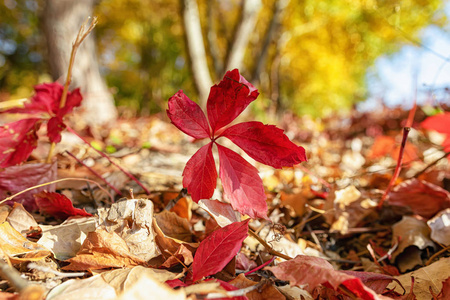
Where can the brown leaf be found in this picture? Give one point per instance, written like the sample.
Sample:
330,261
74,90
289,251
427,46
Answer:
267,292
440,227
174,226
102,250
20,219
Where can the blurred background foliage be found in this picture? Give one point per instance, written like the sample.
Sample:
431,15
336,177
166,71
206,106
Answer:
315,62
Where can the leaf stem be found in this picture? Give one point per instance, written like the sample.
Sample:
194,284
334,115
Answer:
397,168
267,246
111,161
261,266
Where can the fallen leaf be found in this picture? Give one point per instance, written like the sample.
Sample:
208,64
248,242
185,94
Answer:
93,288
174,226
65,239
440,227
58,206
218,249
20,219
412,236
101,250
222,212
268,291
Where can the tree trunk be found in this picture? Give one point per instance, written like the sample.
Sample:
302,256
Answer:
196,49
62,20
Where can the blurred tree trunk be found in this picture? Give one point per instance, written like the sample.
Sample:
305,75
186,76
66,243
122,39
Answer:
62,20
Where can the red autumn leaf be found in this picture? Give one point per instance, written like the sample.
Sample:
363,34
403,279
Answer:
17,141
187,116
266,144
440,123
216,251
228,99
424,198
241,184
200,175
173,283
58,206
54,128
47,99
375,281
314,271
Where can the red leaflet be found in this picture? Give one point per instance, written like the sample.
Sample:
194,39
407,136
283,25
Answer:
266,144
200,175
54,128
216,251
241,184
228,99
17,141
314,271
187,116
440,123
58,206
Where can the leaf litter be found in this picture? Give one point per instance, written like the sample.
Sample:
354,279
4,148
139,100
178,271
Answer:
330,239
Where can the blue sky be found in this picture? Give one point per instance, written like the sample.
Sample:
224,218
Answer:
393,77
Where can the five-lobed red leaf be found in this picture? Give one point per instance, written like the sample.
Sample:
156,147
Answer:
216,251
241,184
17,141
200,174
187,116
228,99
57,205
266,144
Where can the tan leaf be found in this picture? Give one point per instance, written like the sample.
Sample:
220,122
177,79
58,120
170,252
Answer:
174,226
93,288
440,227
147,287
267,292
222,212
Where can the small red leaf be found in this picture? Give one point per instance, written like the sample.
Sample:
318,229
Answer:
228,99
58,206
241,184
17,141
73,100
266,144
187,116
314,271
440,123
200,174
54,128
424,198
216,251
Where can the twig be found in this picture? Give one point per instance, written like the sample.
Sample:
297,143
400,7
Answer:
397,168
56,181
430,165
111,161
57,273
436,255
82,34
261,266
26,289
236,293
267,246
95,173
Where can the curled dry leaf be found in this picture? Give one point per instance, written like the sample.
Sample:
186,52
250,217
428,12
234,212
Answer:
20,219
132,221
440,227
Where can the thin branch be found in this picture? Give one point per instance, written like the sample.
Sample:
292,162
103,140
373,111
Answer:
430,165
44,269
111,161
267,246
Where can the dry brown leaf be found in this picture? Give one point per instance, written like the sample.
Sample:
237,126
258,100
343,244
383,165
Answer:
222,212
174,226
267,292
13,244
132,221
4,212
412,235
426,277
123,280
20,219
101,250
296,201
440,227
65,240
93,288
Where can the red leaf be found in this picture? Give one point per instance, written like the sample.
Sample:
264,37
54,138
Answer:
54,128
445,292
216,251
266,144
424,198
57,205
47,99
440,123
375,281
17,141
187,116
241,184
314,271
200,174
228,99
